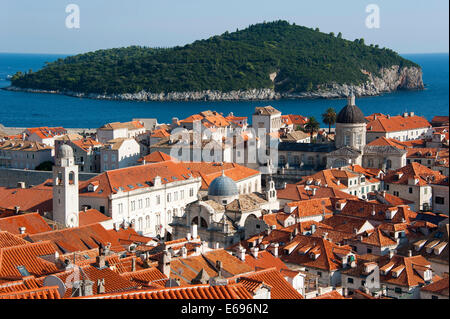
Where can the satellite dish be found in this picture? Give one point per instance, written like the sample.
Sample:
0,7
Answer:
55,281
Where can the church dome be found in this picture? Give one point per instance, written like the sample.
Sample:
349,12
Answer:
65,151
351,114
223,186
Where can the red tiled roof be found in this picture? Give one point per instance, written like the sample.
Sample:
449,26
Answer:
32,222
296,192
331,295
79,238
27,199
7,240
232,291
280,288
91,216
29,256
156,157
397,123
111,182
37,293
414,170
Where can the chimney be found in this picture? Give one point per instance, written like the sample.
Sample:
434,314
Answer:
143,162
410,253
275,249
216,245
254,252
313,229
101,286
100,261
314,190
241,253
188,236
22,230
194,231
325,235
391,253
183,252
164,264
133,264
16,210
219,268
21,185
295,231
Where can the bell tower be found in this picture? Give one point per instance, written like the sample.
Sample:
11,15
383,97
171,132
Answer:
65,188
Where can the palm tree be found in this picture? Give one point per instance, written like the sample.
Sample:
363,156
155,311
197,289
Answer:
329,117
311,126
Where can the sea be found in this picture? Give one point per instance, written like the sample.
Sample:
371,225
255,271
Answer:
20,109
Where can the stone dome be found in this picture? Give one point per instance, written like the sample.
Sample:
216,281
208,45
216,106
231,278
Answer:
65,151
351,114
223,186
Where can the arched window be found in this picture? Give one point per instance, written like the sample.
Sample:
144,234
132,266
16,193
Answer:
203,223
71,177
59,179
147,221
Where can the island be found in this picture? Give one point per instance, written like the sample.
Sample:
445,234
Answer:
270,60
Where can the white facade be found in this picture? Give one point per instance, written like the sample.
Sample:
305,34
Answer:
125,155
149,210
65,189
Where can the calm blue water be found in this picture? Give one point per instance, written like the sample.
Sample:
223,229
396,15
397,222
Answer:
29,109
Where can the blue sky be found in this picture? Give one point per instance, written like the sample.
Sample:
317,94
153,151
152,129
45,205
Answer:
38,26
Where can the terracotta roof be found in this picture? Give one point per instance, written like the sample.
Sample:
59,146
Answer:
374,237
397,123
311,207
91,216
280,288
233,291
7,240
383,141
27,199
27,146
160,133
131,178
37,293
156,157
30,257
439,287
79,238
208,171
132,125
146,277
46,132
265,260
331,295
423,174
86,144
322,248
32,222
296,119
296,192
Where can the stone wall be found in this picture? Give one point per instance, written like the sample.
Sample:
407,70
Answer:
9,177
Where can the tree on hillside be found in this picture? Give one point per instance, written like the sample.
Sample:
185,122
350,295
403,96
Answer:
329,117
311,126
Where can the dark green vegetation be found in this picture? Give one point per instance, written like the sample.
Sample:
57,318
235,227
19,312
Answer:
45,166
303,58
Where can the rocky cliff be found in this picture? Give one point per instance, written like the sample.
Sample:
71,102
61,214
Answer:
388,80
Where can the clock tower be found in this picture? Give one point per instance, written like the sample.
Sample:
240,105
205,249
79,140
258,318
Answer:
65,188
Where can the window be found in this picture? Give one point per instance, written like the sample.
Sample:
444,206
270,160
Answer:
140,203
387,187
147,202
439,200
182,194
319,273
358,139
105,157
347,140
410,190
398,290
175,196
350,280
434,297
158,199
425,190
120,208
169,197
133,205
396,193
102,209
191,192
369,250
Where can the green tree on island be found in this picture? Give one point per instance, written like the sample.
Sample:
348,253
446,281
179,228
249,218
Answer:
329,117
312,126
